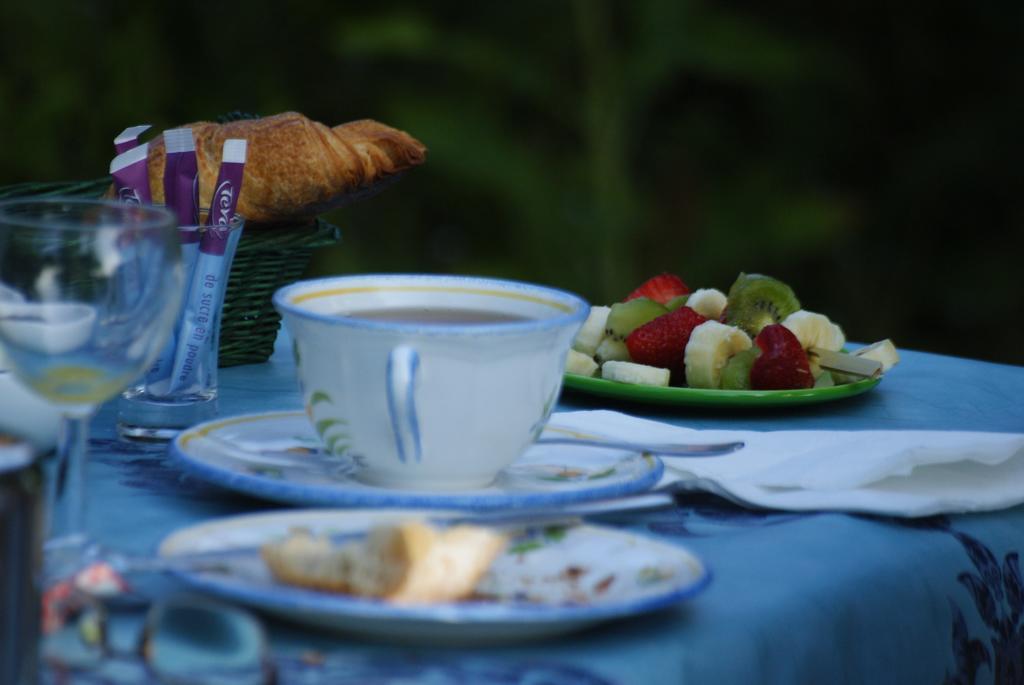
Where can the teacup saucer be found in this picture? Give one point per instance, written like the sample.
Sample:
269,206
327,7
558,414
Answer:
277,456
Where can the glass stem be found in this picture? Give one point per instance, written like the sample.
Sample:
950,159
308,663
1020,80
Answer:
68,503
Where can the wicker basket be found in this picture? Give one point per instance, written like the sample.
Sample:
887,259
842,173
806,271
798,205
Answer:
267,258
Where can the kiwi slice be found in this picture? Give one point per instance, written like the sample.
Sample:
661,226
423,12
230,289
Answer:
736,372
676,302
756,301
625,317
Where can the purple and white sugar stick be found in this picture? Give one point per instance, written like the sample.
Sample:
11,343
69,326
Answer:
229,183
181,197
181,175
194,358
129,138
130,172
181,192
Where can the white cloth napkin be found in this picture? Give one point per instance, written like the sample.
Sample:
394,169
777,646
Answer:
900,473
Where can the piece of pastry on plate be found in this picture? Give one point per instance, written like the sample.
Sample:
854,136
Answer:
411,562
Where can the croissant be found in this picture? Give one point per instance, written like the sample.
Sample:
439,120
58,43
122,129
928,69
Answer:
296,168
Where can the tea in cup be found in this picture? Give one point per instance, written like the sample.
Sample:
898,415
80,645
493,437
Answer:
429,382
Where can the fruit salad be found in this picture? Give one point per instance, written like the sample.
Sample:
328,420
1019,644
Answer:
756,337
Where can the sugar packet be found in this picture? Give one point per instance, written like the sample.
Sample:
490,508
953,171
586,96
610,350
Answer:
130,172
129,138
181,176
193,357
229,183
181,197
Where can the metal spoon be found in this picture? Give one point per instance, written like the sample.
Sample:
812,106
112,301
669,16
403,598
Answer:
666,449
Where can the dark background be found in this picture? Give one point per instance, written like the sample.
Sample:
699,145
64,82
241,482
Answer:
867,153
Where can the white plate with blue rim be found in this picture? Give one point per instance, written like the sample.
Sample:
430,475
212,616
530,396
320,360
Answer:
548,581
277,456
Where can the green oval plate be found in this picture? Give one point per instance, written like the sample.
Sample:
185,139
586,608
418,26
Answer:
697,397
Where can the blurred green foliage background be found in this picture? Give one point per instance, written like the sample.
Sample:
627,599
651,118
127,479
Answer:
867,153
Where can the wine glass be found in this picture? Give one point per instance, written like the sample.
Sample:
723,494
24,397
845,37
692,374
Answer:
89,292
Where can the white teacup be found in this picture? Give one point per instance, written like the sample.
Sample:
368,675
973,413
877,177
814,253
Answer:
429,382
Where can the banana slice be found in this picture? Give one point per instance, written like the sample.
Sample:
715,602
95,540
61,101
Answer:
579,363
883,351
710,347
707,302
592,331
815,330
637,374
611,350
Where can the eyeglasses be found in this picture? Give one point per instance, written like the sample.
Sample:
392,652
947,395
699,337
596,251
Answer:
184,641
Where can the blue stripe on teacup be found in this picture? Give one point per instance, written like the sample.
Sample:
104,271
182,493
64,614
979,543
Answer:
409,358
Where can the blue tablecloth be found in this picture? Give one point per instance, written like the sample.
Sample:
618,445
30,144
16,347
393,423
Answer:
796,597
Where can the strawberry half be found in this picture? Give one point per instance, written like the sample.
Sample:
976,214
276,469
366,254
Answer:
661,288
782,364
661,342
